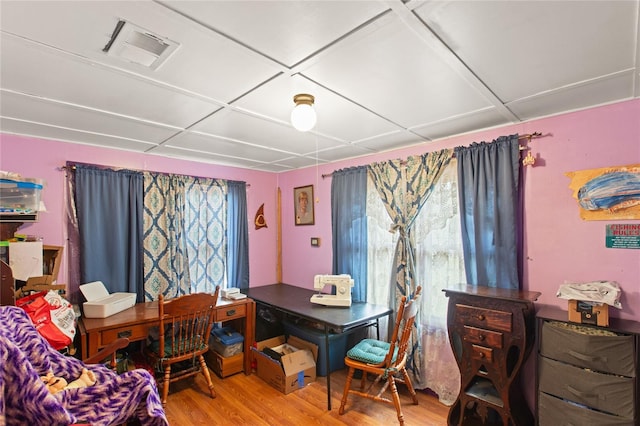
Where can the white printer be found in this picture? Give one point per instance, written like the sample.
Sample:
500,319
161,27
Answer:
101,304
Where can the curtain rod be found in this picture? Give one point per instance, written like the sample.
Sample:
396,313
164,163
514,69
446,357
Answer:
527,136
73,167
530,136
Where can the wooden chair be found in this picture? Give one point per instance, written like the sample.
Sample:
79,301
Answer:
185,326
384,359
108,352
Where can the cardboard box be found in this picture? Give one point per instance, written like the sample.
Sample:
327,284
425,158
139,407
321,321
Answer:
585,313
224,366
101,304
294,370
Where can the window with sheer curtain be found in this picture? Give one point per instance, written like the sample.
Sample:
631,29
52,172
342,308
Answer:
439,263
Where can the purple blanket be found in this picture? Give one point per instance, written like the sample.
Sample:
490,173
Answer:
24,399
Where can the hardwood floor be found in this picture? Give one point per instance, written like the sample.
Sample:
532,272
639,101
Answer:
248,400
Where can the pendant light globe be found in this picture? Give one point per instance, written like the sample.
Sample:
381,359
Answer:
303,116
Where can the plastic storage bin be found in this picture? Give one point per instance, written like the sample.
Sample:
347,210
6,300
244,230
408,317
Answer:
19,197
226,341
337,346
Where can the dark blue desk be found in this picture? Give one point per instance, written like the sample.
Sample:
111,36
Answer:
294,301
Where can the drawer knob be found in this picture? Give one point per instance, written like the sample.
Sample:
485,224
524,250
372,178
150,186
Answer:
231,312
481,337
481,354
481,317
124,333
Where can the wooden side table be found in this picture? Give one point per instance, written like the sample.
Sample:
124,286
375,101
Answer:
491,332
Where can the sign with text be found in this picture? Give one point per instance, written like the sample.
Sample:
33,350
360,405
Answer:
625,236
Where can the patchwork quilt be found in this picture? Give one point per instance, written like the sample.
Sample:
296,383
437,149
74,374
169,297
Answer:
25,356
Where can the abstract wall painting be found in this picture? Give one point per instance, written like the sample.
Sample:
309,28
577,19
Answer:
608,193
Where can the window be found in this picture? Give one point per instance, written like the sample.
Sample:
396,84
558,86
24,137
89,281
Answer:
148,232
439,263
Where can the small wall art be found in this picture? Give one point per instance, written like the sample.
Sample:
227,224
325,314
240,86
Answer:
259,221
303,202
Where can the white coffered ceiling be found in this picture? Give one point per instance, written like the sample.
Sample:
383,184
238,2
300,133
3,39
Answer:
385,74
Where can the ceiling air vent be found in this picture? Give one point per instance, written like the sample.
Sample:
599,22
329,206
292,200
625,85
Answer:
139,46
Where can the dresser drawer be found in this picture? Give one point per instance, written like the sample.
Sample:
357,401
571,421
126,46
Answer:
481,317
224,366
484,337
481,353
133,333
605,392
553,411
607,353
227,313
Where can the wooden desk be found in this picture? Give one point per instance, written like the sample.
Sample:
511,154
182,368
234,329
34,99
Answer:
294,301
134,323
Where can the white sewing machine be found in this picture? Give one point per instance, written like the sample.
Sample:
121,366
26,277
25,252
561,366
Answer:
342,283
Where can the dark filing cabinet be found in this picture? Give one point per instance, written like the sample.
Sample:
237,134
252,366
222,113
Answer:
586,375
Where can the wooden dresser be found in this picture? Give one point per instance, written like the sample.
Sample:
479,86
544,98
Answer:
587,375
491,332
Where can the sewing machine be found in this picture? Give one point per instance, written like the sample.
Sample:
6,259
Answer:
342,283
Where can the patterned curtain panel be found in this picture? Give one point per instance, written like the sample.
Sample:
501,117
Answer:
184,235
166,264
404,188
439,264
205,229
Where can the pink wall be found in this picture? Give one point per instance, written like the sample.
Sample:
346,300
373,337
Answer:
559,246
43,158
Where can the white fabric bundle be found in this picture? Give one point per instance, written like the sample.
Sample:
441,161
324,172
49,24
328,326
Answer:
597,292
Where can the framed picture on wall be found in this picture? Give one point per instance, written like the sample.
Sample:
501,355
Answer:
303,202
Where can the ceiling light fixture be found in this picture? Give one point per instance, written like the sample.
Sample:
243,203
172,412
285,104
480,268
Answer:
303,116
